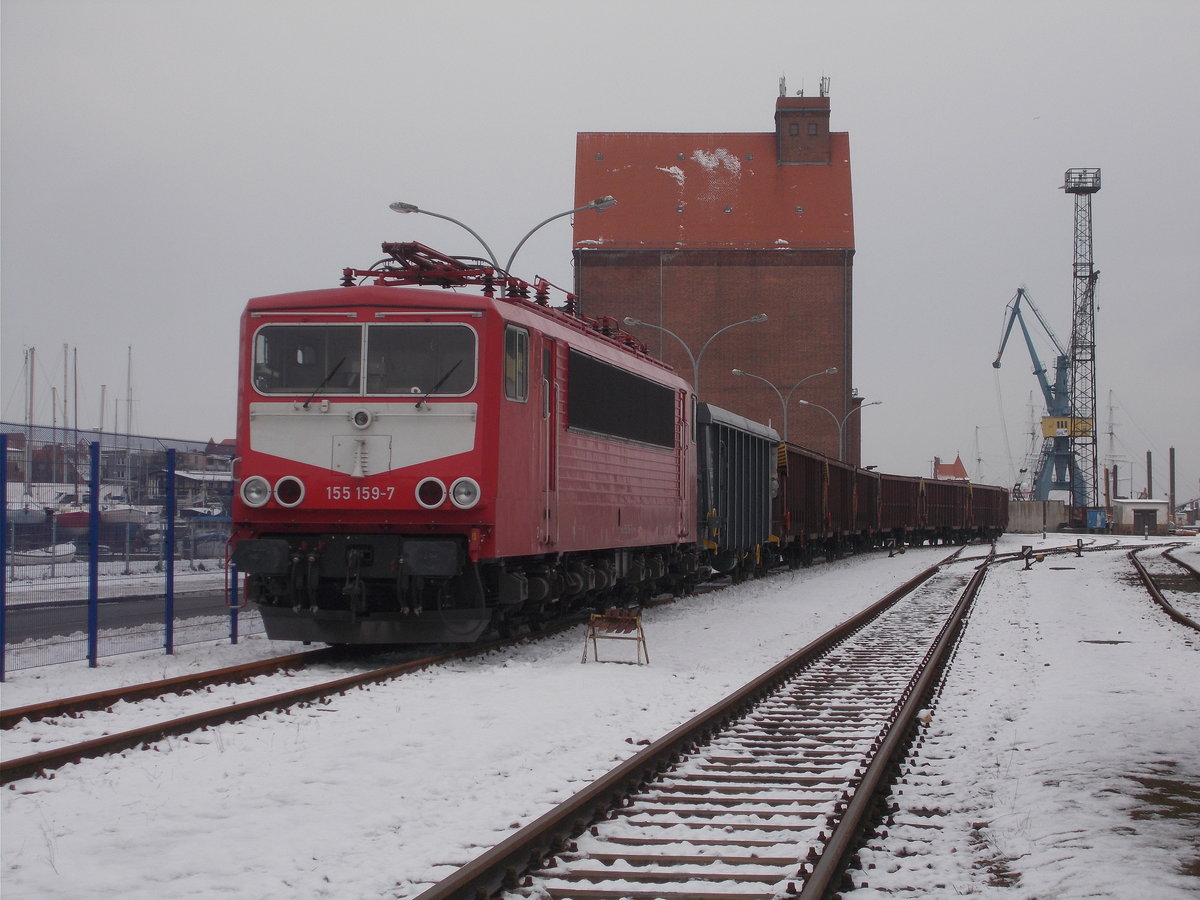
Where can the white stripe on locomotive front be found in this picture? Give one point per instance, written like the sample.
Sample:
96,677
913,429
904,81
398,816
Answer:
401,435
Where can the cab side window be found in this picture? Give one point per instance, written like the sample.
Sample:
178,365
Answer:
516,363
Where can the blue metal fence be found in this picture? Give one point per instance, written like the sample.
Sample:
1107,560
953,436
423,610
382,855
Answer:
112,544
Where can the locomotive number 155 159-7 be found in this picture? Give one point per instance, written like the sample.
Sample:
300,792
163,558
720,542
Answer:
361,492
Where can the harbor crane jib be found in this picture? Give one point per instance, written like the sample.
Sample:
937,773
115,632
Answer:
1056,468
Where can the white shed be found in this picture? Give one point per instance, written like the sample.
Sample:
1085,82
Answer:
1140,516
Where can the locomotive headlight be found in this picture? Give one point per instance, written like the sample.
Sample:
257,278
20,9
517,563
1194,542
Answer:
464,493
256,491
361,418
431,493
289,491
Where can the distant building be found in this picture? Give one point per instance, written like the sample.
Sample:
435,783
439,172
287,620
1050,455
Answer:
713,228
220,448
954,471
46,462
1140,516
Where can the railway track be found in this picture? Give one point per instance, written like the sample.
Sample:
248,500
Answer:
87,713
1172,583
191,710
95,714
102,700
763,795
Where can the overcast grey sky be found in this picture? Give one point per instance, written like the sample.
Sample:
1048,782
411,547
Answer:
164,161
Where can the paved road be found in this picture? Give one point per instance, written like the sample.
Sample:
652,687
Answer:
40,622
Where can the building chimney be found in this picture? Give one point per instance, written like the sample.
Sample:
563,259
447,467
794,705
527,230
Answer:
1171,484
802,131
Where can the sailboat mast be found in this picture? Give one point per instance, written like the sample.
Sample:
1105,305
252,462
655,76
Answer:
66,359
29,356
129,390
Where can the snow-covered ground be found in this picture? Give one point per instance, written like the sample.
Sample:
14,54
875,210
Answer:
1063,758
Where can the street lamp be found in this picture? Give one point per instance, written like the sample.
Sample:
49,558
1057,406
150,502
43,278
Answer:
599,204
402,207
841,423
696,358
832,370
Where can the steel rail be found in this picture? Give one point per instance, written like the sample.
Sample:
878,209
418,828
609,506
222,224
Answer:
1157,595
99,700
39,763
1170,554
504,864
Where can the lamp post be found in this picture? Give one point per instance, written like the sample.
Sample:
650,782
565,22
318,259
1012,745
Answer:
832,370
841,423
696,358
600,203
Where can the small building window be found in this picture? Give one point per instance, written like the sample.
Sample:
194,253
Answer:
794,129
516,363
812,128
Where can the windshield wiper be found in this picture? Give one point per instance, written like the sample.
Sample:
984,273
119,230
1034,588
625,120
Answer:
437,387
318,388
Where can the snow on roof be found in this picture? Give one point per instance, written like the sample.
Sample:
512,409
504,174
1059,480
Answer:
210,477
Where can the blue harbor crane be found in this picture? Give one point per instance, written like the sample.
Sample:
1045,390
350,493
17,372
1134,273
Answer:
1068,459
1057,468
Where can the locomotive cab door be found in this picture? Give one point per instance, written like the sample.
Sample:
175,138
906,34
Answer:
549,441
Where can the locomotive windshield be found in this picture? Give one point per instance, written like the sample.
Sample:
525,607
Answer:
353,360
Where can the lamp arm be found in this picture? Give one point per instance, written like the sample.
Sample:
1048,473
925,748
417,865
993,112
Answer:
529,234
475,234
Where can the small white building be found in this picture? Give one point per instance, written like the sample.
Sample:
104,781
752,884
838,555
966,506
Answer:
1140,516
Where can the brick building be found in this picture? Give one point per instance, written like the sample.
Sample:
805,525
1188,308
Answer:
710,229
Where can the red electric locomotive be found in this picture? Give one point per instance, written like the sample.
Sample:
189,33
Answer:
418,464
422,465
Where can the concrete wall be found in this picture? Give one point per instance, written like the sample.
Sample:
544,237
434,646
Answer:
1031,516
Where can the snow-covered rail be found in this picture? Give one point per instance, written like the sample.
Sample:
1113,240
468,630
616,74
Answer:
73,736
102,700
1172,583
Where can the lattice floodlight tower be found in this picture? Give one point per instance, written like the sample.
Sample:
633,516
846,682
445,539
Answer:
1083,183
